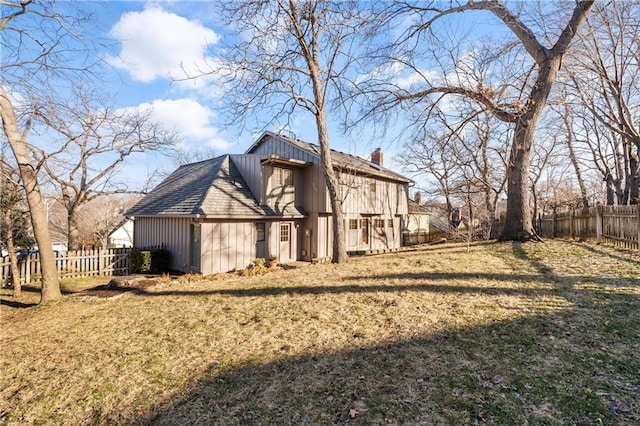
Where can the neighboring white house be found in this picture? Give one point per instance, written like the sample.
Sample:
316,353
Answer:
417,219
122,234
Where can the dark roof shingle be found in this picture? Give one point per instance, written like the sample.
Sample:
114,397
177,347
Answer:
212,187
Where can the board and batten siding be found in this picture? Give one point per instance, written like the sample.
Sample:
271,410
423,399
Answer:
315,192
389,199
229,245
170,232
249,167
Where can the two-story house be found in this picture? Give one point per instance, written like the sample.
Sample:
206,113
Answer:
220,214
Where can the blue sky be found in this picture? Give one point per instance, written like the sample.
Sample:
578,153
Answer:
150,42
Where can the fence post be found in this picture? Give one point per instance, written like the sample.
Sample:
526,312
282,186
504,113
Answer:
599,221
638,223
571,224
27,264
553,224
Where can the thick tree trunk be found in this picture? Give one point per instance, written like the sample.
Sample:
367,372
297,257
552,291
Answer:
73,237
13,258
339,254
50,284
518,224
610,190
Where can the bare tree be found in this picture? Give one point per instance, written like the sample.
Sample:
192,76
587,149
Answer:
518,97
14,231
294,55
569,129
42,51
100,216
95,141
604,73
429,156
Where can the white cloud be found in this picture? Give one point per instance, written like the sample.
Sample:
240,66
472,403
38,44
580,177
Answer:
189,119
159,44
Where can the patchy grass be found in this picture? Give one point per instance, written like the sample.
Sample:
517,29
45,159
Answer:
540,333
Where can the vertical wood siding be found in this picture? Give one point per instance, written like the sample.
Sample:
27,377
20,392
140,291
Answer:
172,233
249,167
315,192
228,245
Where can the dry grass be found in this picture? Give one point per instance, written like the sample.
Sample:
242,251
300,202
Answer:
504,334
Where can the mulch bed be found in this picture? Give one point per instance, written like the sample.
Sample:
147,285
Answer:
118,287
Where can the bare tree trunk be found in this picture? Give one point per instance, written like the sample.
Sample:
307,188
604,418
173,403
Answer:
11,249
73,238
574,160
339,254
610,190
50,284
634,172
518,222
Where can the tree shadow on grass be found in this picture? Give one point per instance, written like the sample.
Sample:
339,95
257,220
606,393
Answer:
554,368
15,304
422,282
609,253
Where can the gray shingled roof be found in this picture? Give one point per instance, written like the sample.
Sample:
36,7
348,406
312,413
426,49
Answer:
343,160
414,207
212,187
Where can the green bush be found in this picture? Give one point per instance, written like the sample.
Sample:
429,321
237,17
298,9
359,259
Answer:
155,261
140,261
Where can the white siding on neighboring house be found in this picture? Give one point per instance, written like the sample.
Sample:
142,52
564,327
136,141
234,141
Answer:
414,222
122,236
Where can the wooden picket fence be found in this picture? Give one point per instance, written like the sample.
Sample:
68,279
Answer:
71,264
616,225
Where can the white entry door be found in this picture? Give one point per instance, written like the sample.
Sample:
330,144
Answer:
285,242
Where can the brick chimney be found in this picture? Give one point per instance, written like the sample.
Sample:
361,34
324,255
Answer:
377,157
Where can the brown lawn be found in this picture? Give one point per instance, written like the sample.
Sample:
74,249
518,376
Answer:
540,333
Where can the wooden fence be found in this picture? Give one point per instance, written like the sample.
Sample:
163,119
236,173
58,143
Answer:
71,264
617,225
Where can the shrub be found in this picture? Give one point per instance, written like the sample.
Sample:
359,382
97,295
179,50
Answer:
259,262
155,261
140,261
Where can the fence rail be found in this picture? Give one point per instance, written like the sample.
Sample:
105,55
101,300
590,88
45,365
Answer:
616,225
71,264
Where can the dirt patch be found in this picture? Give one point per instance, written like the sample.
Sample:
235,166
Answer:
119,286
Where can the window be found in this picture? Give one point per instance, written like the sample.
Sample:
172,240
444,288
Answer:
282,177
378,223
260,233
353,232
364,224
372,192
390,223
284,232
195,245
